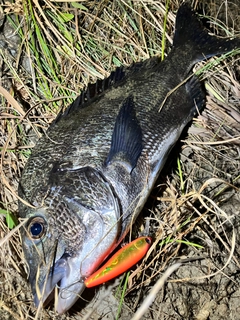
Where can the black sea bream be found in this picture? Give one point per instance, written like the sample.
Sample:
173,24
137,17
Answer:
89,176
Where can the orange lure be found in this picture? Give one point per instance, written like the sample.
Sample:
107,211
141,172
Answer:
120,262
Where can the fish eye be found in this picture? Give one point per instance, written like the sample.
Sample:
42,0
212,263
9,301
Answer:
37,228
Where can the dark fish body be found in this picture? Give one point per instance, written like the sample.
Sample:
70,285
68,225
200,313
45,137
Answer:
90,175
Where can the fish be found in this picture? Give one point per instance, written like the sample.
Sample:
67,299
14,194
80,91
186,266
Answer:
88,178
120,262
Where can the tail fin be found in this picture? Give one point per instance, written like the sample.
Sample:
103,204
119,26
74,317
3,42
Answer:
190,31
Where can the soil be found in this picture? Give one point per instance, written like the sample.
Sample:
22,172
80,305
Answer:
193,213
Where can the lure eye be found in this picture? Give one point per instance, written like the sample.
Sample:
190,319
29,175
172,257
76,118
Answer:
148,240
37,228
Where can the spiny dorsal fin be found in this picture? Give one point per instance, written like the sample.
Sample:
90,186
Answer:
93,91
126,145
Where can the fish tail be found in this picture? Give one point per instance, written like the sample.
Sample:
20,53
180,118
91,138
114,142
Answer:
190,32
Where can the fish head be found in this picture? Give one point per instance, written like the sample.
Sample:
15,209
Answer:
66,239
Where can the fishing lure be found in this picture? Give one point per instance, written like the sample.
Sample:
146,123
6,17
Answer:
121,261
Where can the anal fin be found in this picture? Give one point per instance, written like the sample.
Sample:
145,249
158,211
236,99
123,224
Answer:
195,89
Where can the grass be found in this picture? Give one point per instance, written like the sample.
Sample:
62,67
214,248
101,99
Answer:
62,47
11,220
121,293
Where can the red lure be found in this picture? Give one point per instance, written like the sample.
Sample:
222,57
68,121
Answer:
120,262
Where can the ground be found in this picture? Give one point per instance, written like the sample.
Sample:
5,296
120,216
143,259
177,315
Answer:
194,210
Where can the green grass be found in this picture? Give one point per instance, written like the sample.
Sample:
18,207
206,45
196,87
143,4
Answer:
211,65
164,30
188,243
121,293
11,220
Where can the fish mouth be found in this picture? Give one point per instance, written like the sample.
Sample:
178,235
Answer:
62,275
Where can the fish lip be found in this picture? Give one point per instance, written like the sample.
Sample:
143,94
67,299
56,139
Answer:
68,296
43,290
58,277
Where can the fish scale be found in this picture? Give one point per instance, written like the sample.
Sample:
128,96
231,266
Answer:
89,176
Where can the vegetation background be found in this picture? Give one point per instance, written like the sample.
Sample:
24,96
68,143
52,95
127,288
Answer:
49,52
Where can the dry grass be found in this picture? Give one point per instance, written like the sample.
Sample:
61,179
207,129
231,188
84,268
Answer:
71,46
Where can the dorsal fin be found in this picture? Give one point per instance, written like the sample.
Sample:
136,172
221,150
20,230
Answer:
126,145
93,91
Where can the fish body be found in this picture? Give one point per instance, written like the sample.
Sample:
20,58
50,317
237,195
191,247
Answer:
88,178
120,262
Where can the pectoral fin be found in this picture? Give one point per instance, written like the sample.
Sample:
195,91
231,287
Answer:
126,145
